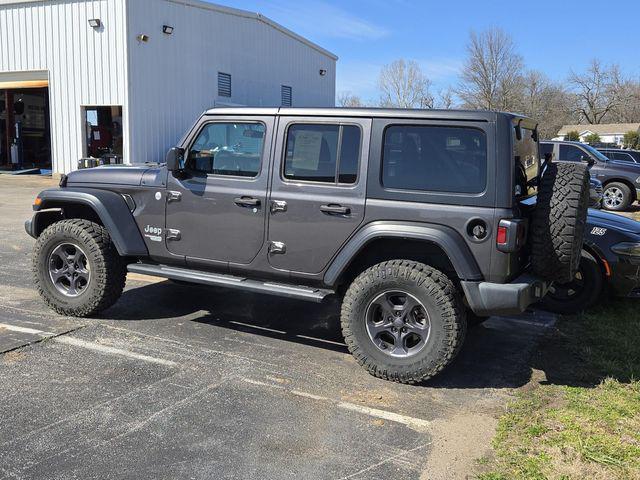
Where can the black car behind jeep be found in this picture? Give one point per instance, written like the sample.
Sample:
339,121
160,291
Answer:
620,180
414,218
610,265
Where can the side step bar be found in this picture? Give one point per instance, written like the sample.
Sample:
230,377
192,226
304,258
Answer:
229,281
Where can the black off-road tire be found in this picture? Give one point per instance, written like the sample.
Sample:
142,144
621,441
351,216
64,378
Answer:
108,269
559,220
441,300
621,190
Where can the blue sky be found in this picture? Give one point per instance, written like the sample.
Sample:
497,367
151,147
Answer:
552,36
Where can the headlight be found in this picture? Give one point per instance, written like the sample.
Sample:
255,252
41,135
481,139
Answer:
628,249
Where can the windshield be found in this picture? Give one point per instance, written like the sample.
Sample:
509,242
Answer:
596,153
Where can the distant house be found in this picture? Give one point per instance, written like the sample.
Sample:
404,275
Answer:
608,132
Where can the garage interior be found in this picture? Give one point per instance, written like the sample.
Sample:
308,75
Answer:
103,132
25,138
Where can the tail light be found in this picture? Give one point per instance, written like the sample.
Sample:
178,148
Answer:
502,236
511,235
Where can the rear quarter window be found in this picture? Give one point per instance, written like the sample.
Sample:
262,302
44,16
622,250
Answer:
436,159
527,160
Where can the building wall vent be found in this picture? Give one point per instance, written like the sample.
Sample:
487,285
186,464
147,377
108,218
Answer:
287,96
224,84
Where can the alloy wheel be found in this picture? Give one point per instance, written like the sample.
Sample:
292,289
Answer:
398,324
69,269
613,197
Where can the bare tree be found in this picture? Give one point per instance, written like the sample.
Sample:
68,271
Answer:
629,109
490,77
445,99
403,85
597,92
347,99
544,101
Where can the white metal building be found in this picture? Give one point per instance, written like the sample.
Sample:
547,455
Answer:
130,76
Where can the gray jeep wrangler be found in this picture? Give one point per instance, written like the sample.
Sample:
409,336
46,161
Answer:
417,220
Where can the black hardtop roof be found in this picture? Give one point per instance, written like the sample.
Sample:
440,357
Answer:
465,115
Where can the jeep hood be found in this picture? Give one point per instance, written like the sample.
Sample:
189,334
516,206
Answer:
107,174
599,218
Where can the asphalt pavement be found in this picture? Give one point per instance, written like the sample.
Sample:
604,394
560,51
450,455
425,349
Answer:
191,382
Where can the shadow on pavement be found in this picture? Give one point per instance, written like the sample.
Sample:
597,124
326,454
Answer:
496,354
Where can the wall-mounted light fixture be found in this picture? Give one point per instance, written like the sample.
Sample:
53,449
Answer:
95,22
167,29
143,38
322,72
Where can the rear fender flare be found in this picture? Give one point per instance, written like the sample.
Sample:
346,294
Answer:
445,237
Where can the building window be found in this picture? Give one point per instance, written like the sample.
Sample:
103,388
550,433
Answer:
224,84
287,96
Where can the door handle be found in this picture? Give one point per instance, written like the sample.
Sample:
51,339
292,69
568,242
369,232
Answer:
246,201
278,206
335,209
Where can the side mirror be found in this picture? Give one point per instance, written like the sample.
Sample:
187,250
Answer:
175,159
588,160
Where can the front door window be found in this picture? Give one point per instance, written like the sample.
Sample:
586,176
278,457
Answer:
228,149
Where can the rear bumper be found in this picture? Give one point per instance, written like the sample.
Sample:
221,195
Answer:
487,298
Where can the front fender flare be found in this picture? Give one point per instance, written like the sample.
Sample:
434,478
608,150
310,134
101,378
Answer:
110,208
445,237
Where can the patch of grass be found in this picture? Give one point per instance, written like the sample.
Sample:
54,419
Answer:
584,420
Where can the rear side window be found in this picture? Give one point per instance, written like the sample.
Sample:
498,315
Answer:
228,149
571,153
527,158
546,149
322,153
622,156
438,159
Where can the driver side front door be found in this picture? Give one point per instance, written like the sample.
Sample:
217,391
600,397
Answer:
216,207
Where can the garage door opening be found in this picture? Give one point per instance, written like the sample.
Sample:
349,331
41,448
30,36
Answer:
25,139
103,133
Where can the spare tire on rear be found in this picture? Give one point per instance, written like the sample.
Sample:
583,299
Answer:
559,220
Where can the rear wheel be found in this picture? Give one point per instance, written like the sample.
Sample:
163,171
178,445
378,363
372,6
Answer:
76,268
579,294
403,321
616,197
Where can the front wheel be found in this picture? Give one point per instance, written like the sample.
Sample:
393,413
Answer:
76,268
616,197
403,321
